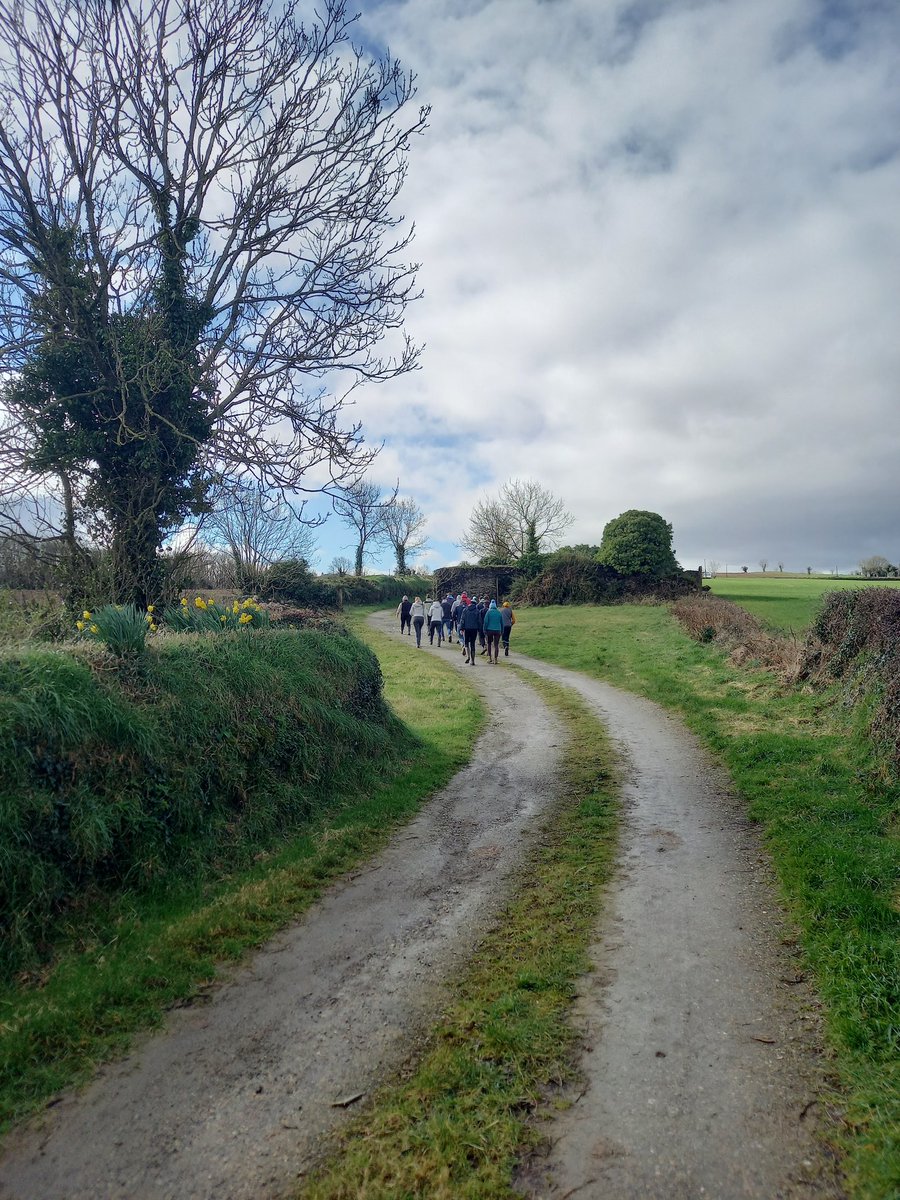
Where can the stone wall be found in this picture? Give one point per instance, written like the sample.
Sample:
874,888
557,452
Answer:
494,582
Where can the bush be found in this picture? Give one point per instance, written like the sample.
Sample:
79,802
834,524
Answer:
574,579
855,638
638,543
292,582
221,745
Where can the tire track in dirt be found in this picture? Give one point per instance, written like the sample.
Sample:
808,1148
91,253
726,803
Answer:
702,1062
232,1100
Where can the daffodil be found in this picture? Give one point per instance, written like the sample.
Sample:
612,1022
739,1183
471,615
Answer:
245,618
236,607
95,629
153,628
199,602
151,608
86,615
223,618
184,601
79,625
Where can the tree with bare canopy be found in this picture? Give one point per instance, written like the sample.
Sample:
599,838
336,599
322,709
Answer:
256,529
363,508
404,527
197,218
525,519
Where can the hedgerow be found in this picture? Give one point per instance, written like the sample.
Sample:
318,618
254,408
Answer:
855,638
577,580
114,773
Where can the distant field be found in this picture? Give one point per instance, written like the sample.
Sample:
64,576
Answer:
787,602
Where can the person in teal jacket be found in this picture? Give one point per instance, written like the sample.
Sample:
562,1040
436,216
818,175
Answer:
493,625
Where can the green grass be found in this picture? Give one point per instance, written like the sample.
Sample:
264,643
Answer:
809,775
122,775
785,602
131,959
454,1130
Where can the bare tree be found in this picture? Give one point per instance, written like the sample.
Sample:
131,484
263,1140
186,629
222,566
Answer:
526,518
404,524
763,563
340,565
363,508
257,529
875,567
197,216
712,568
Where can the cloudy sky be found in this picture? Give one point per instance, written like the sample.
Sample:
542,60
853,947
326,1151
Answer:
660,248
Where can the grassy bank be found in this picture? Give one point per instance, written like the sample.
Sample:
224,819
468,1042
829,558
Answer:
810,776
785,602
117,775
129,957
454,1130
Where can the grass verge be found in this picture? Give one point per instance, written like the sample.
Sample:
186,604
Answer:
811,776
139,955
455,1128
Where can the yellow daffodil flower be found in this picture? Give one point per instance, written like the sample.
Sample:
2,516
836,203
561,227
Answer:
151,608
79,625
95,629
199,602
86,615
245,618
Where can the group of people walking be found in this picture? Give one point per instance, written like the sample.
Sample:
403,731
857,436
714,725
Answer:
474,620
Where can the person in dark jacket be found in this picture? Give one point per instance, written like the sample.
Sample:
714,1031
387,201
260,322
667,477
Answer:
469,627
482,609
447,609
403,611
508,617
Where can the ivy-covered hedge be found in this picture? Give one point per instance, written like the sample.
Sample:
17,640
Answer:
579,580
114,775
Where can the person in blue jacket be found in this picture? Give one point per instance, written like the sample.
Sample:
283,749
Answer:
493,626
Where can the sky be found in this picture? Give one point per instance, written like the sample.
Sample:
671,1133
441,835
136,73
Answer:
660,263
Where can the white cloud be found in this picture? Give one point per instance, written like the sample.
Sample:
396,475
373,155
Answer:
659,250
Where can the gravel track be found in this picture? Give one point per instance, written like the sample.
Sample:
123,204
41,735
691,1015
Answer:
700,1064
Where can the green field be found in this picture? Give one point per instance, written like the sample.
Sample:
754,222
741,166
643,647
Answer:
786,602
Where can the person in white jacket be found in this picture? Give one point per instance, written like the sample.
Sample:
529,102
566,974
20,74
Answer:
436,623
417,612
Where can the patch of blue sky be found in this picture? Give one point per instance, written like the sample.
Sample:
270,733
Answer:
836,29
